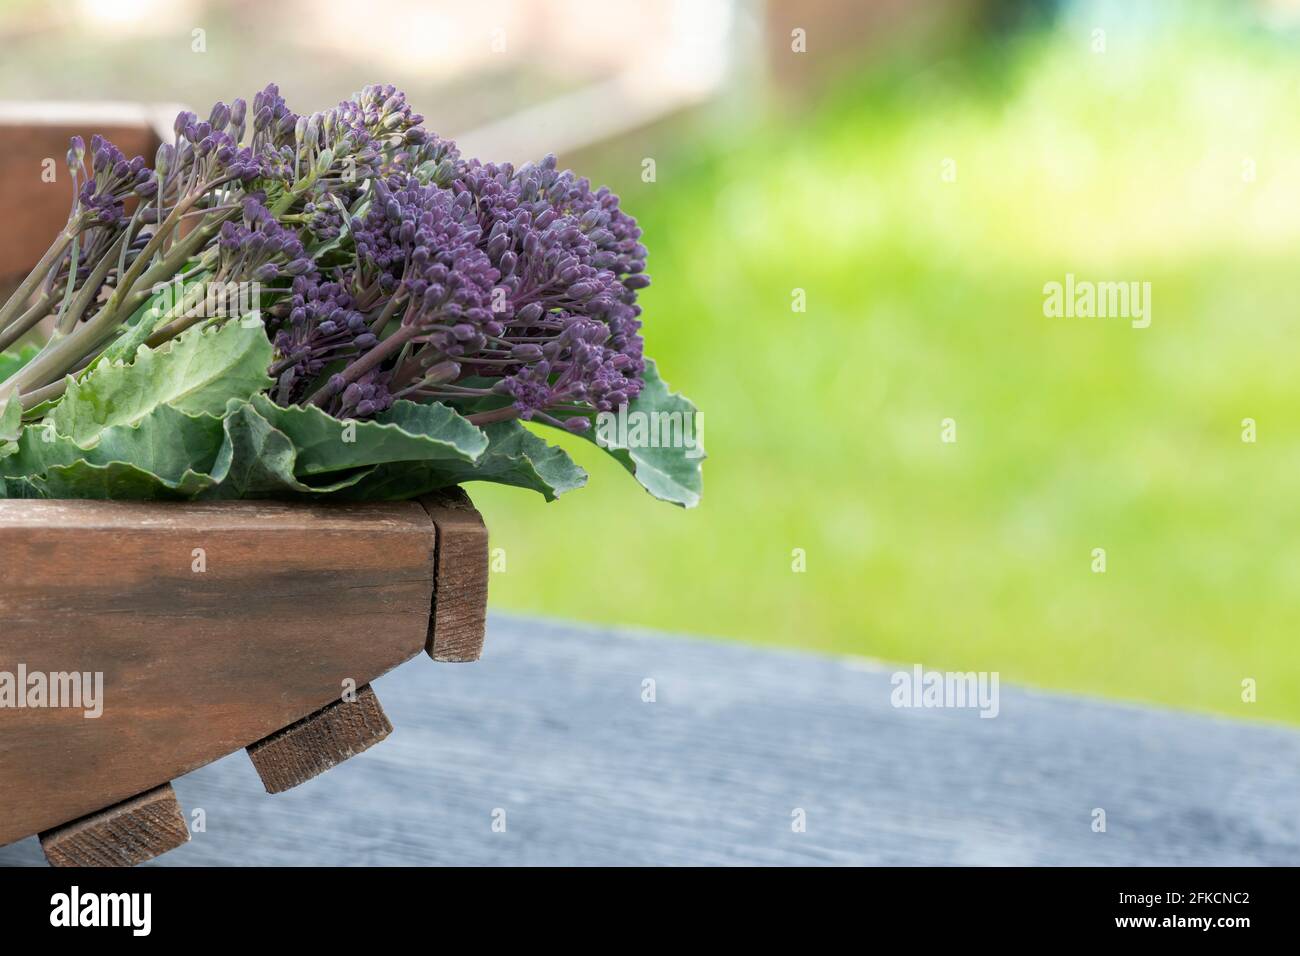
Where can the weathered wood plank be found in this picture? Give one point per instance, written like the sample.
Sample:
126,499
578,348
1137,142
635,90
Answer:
459,616
125,834
557,735
211,626
314,744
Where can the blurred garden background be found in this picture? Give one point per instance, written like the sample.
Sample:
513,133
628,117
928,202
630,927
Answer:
919,171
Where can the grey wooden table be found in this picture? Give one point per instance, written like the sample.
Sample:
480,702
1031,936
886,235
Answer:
550,734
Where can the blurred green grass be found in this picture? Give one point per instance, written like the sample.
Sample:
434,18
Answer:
924,302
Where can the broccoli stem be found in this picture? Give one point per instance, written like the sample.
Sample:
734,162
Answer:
27,321
52,256
64,352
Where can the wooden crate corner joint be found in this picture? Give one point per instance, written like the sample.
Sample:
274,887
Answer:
458,618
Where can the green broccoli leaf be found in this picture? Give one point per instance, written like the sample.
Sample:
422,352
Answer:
11,418
117,479
405,432
197,373
167,444
660,440
18,488
514,456
257,460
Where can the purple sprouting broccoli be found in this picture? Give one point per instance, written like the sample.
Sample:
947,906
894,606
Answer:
389,266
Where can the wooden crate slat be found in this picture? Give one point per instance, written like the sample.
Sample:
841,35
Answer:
323,740
125,834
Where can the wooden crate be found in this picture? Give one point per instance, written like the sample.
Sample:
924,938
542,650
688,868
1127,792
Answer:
214,626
